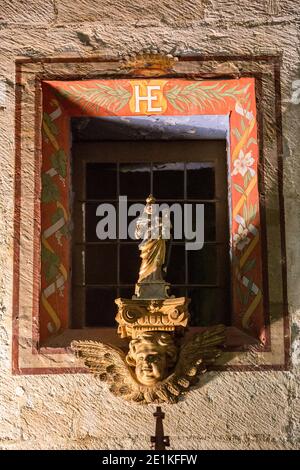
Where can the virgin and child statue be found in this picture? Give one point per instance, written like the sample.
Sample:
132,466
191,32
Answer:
154,230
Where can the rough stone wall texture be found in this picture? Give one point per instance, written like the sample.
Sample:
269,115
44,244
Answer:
232,410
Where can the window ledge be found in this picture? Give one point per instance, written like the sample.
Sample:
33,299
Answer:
236,340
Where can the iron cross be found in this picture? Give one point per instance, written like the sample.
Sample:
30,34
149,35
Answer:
159,440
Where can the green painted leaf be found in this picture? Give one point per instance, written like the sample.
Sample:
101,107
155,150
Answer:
58,214
59,162
239,188
245,89
50,191
51,263
176,105
183,99
192,87
236,132
252,212
197,93
208,87
51,272
248,103
50,124
65,230
247,179
251,141
245,213
100,96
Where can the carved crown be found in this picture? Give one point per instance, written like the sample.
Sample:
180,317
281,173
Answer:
149,63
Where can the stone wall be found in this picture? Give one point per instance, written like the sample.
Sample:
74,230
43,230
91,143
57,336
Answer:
233,410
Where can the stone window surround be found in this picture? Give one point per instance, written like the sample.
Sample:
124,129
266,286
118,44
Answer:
266,70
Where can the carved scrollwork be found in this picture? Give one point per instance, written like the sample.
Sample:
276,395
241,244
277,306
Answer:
136,315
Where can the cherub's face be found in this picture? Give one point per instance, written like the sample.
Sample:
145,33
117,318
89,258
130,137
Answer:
151,365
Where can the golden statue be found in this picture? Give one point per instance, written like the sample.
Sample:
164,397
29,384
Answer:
152,229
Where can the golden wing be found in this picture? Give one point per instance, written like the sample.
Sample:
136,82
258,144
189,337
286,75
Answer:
108,363
195,355
200,351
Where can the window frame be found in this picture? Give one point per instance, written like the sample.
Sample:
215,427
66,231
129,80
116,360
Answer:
96,152
28,355
74,100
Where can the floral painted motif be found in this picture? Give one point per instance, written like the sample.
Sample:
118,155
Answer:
243,163
241,238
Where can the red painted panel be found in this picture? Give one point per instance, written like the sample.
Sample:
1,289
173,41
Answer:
135,97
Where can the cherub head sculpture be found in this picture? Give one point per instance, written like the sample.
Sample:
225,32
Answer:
162,373
152,354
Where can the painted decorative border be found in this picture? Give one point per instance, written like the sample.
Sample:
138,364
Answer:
236,98
177,97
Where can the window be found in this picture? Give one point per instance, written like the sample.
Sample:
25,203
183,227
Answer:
42,310
179,172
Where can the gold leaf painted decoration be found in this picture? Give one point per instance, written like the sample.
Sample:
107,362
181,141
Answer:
196,94
97,97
